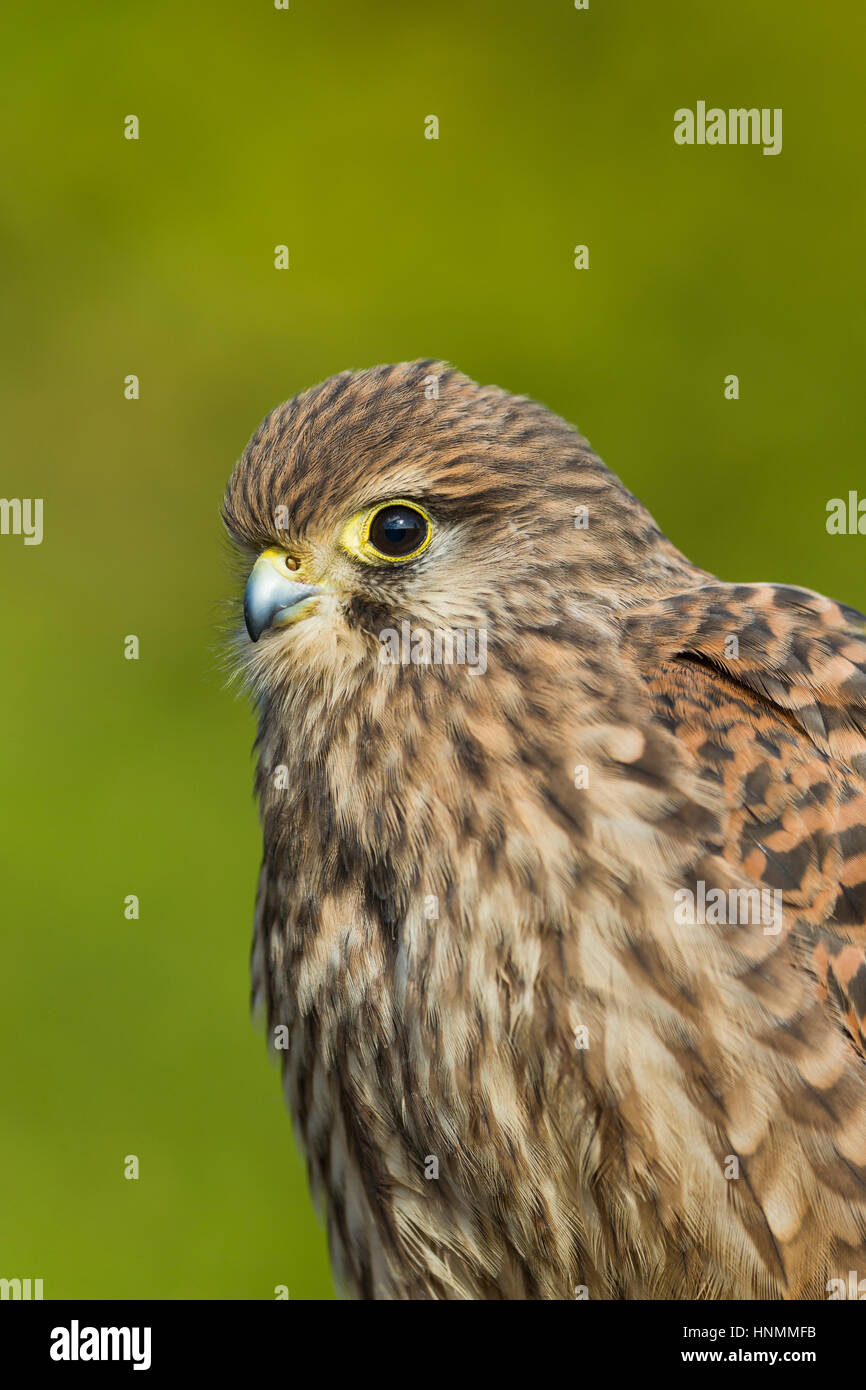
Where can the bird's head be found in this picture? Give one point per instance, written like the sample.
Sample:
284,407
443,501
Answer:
409,494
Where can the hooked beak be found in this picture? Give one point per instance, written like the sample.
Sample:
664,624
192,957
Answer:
271,598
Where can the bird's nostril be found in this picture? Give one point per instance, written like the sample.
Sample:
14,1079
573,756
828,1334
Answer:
292,563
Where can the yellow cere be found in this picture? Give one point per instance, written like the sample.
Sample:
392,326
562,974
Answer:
355,536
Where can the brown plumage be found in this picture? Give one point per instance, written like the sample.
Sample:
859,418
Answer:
468,921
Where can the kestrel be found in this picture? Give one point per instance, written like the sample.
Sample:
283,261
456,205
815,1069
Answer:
562,950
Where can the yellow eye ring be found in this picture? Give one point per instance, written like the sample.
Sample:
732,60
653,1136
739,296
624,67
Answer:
395,525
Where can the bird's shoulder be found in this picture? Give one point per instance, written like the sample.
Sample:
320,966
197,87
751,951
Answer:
764,688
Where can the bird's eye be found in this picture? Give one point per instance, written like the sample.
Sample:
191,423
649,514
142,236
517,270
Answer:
398,530
391,531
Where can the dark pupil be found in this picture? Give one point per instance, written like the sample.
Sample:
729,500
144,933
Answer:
398,530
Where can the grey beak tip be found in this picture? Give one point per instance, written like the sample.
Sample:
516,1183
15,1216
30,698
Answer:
253,628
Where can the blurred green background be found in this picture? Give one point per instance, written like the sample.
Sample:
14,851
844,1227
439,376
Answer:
155,257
